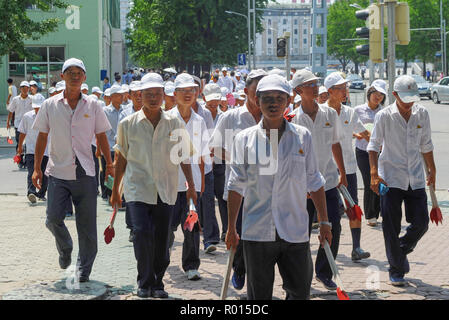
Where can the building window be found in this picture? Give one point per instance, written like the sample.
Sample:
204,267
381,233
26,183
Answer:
284,21
43,65
269,31
269,22
305,31
269,40
305,41
296,31
296,22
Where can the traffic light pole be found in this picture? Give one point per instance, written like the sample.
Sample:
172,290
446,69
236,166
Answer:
391,8
371,63
287,56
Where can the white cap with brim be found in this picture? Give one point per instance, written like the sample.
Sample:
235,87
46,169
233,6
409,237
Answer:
125,88
321,90
303,76
273,82
33,83
37,100
51,90
60,85
334,79
379,85
97,90
242,93
169,88
224,91
212,91
73,62
184,80
224,69
84,86
135,86
107,92
407,89
257,73
297,98
117,89
25,84
151,80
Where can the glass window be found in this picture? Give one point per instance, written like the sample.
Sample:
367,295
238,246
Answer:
284,21
296,31
305,41
269,40
37,54
14,57
38,73
57,54
17,73
269,31
296,21
305,31
269,22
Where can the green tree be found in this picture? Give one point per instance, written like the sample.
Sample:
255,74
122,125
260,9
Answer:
341,24
16,27
188,33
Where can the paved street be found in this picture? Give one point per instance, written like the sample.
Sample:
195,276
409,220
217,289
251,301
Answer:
29,261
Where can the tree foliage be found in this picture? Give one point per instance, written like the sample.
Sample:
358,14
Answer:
16,27
186,32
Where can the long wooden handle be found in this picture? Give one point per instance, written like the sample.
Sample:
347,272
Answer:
332,264
433,196
224,287
111,224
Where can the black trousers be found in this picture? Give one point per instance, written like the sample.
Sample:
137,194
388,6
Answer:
151,230
416,213
371,201
29,161
294,261
219,182
105,192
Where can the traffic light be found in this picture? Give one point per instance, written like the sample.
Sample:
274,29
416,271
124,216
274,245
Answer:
402,25
371,31
281,49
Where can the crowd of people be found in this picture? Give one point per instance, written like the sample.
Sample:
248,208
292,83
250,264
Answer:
272,152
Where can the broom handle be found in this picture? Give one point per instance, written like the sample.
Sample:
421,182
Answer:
111,225
433,196
224,287
332,264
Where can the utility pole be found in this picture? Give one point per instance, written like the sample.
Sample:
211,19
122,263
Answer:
382,28
391,6
371,63
254,32
287,57
249,35
442,37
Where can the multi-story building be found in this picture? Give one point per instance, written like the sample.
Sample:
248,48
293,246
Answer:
88,30
125,7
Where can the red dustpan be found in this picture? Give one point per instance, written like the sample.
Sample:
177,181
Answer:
435,214
353,210
17,158
192,217
341,293
109,232
9,140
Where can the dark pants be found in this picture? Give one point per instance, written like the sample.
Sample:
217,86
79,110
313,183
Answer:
294,261
219,182
416,213
97,166
22,161
151,238
352,186
206,211
105,192
239,262
82,192
371,201
29,161
322,268
191,244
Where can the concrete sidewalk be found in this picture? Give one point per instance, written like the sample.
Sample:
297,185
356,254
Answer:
29,262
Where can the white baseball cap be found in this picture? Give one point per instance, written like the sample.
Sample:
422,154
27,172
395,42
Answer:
224,91
297,99
302,76
37,100
212,91
33,83
257,73
380,85
277,71
238,74
125,88
273,82
25,84
107,92
407,89
84,86
116,89
97,90
321,90
334,79
73,62
135,86
51,90
169,88
242,93
151,80
224,69
60,85
184,80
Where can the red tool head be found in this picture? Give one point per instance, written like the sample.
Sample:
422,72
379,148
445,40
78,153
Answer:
109,233
350,212
17,158
192,218
358,212
9,140
287,116
436,216
341,294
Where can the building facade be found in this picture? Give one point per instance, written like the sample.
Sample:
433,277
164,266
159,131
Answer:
88,30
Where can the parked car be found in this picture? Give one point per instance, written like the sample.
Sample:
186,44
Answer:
356,82
440,90
423,86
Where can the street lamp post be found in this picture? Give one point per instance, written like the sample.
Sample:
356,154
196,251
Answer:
249,32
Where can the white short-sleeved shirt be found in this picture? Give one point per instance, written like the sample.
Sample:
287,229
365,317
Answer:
152,168
366,115
207,117
113,116
26,127
196,127
71,133
228,126
350,123
402,143
274,183
326,131
20,106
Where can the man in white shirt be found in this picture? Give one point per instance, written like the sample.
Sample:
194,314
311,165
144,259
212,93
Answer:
145,162
169,96
185,93
71,120
350,124
273,166
400,167
29,135
225,80
19,105
324,125
229,125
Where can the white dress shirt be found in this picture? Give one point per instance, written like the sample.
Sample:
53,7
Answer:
402,143
151,169
207,117
274,182
196,127
228,126
71,133
113,116
350,123
20,106
226,82
326,131
366,115
26,127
